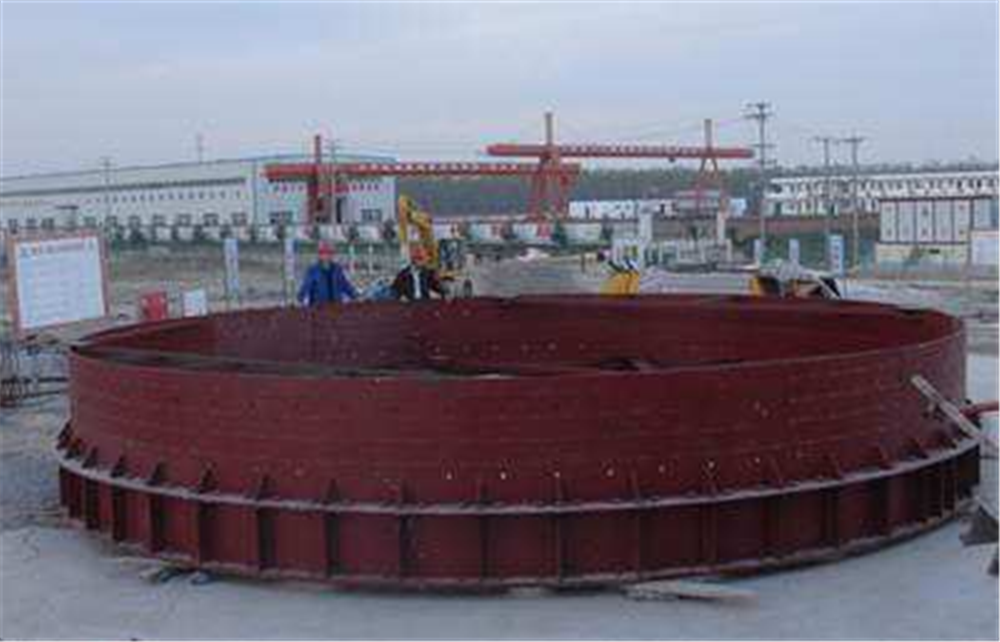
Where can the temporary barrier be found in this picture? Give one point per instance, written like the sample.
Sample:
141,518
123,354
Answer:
154,306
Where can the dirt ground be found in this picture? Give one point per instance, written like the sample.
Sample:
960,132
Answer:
175,269
58,582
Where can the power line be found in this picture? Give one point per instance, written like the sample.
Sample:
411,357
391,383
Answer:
645,131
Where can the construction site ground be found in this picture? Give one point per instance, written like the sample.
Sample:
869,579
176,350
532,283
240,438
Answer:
59,582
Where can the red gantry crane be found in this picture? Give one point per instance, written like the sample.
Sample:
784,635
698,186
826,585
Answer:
325,182
552,179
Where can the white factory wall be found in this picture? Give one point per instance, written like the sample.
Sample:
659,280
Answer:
602,210
627,209
938,231
926,255
583,232
446,230
486,232
655,206
804,195
985,247
738,207
529,232
935,220
217,193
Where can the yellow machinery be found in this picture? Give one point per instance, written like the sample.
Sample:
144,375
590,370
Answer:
785,280
446,256
623,281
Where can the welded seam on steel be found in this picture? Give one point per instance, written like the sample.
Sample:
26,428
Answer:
508,509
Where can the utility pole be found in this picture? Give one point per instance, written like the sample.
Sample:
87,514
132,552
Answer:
331,148
854,141
106,166
761,112
335,215
826,141
199,147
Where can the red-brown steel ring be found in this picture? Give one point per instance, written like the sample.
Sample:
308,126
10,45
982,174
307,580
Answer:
441,445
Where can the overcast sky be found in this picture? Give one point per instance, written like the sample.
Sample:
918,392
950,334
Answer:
138,81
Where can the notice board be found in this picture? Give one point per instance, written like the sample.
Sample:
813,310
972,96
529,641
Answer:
56,280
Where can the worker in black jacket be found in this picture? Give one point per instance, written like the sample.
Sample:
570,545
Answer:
418,280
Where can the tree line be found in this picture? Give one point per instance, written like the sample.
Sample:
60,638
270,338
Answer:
499,195
489,195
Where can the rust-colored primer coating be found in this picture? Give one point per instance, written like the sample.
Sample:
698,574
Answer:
557,440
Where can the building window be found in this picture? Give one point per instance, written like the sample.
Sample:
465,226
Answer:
159,220
280,218
31,223
111,221
90,221
48,224
184,220
12,225
239,218
134,222
211,219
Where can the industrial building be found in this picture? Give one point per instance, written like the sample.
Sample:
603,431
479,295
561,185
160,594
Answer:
604,210
681,205
948,231
806,195
219,193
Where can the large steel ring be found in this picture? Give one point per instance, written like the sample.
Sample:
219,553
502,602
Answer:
559,440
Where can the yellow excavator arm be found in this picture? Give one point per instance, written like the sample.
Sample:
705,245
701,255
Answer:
409,215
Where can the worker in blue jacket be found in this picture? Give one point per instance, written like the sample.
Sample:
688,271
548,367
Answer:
325,281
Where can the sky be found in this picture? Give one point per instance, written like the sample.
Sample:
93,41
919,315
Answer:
139,81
